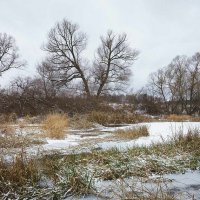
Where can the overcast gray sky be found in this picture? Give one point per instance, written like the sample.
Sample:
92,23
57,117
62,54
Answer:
159,29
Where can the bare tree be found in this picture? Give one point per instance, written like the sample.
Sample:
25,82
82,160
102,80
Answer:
178,85
112,63
46,75
65,46
176,75
9,57
157,86
193,82
111,67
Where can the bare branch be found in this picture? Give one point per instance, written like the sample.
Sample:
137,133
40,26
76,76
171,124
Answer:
65,45
112,63
9,57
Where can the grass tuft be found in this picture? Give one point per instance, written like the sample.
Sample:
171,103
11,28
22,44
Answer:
54,125
133,133
18,173
80,122
76,180
189,142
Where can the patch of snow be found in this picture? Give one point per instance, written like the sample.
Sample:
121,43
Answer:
187,184
53,144
183,186
158,132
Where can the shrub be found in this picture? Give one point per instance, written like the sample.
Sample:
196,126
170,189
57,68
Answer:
54,125
133,133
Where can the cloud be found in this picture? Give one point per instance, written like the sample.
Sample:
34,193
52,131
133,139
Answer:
160,29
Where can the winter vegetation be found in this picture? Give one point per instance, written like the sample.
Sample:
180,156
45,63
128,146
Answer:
133,133
31,168
54,125
75,131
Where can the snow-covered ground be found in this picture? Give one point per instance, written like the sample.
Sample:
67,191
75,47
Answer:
182,186
187,184
158,132
102,136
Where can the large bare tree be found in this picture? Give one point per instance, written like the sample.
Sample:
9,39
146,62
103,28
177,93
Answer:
9,57
112,63
111,67
65,46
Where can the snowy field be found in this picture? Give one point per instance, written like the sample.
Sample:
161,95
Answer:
103,138
183,186
187,184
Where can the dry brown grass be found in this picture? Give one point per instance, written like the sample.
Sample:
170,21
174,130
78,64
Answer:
7,129
179,118
13,141
105,118
19,171
8,118
54,125
25,176
10,139
138,190
132,133
80,122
